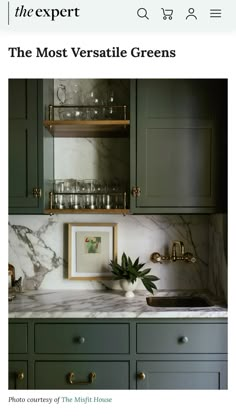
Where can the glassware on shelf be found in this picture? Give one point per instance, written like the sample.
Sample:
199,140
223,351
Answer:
111,98
59,201
61,94
66,113
87,194
80,114
73,201
59,185
70,185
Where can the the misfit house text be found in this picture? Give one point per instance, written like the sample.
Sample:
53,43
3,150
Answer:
114,52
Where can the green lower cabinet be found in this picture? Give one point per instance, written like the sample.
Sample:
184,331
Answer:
17,375
118,354
18,338
181,375
81,375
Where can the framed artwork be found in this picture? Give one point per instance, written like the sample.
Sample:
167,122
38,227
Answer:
91,246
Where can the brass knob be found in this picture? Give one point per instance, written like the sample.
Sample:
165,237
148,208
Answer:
141,376
20,376
183,340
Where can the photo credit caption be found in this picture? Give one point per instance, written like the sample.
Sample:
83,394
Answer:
60,400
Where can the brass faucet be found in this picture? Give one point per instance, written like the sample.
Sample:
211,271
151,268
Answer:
175,256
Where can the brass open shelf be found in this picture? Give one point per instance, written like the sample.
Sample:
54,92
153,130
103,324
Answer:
87,211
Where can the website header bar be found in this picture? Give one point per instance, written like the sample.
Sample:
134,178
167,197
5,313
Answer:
118,16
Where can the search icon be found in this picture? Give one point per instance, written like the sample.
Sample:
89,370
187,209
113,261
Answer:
142,13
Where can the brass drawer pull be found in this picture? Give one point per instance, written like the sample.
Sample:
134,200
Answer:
91,379
20,376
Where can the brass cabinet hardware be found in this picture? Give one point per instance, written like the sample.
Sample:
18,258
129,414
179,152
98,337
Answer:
141,376
91,379
37,192
20,376
50,112
51,200
183,340
136,191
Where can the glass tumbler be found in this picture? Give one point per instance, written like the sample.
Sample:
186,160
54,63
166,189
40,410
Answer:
58,186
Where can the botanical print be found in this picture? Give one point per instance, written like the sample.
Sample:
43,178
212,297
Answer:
92,252
92,244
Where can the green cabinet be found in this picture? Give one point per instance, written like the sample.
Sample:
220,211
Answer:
81,338
18,355
194,352
177,374
17,374
90,374
118,354
25,146
178,146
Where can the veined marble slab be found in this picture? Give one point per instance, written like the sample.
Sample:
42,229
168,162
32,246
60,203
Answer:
105,304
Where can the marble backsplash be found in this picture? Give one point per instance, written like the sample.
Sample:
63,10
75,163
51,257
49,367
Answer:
102,159
38,249
218,272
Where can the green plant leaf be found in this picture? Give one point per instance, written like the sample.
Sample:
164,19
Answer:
130,261
149,285
139,266
124,261
152,277
132,271
136,262
144,272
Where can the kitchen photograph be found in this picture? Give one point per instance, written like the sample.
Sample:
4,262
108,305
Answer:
117,274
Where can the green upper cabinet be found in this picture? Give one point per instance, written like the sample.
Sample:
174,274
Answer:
178,145
25,146
30,146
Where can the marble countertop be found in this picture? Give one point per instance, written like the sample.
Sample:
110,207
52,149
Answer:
105,304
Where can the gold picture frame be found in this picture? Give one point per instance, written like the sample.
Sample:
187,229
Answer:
91,246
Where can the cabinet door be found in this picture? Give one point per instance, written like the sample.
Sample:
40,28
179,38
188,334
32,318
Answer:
180,145
58,374
25,145
182,375
17,375
18,338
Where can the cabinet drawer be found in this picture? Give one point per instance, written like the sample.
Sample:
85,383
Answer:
81,338
17,338
181,338
56,375
182,375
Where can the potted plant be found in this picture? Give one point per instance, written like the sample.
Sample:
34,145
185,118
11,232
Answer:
129,272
